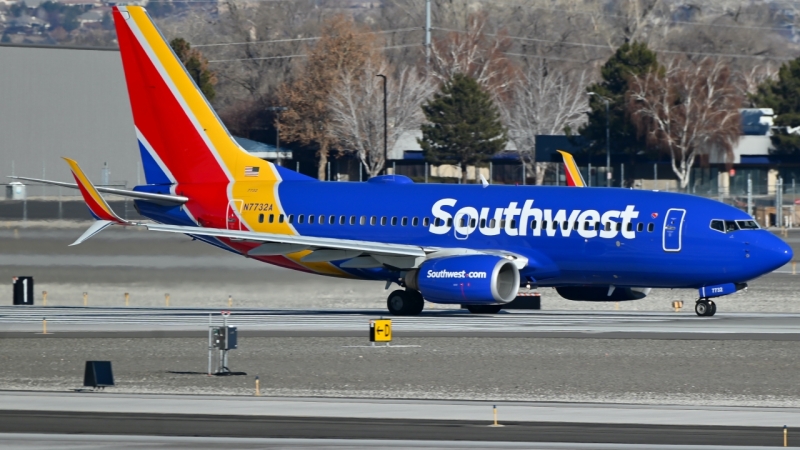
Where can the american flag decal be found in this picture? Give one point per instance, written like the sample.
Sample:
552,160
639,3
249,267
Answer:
250,171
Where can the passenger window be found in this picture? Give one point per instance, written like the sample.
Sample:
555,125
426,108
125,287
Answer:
414,221
483,223
492,223
565,225
373,220
533,224
503,223
463,221
352,220
383,221
555,224
271,218
404,222
300,219
394,221
630,226
640,227
290,218
426,221
310,218
342,220
260,218
650,227
321,220
586,225
280,218
332,220
363,220
619,226
718,225
544,224
473,222
450,222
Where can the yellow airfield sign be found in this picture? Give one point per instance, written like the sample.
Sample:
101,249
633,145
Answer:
380,330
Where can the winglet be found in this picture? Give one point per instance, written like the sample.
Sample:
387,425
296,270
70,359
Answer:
96,203
574,177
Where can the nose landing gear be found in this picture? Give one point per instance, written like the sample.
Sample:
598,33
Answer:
705,307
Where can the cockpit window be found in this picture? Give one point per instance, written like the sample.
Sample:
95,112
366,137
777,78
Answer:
747,224
729,226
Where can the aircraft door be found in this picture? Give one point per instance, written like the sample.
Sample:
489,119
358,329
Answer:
464,223
232,216
673,230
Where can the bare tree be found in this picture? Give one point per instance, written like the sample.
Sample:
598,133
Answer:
357,109
687,110
544,101
342,47
476,54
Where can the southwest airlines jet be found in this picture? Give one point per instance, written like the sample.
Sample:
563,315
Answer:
473,245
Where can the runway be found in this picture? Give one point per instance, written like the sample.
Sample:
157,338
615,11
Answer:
253,417
188,322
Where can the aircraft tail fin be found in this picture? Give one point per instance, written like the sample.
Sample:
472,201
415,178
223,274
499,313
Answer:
181,139
574,177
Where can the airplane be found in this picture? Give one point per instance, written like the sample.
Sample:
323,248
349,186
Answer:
471,245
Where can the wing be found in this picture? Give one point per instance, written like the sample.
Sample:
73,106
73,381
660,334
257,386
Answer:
359,253
574,177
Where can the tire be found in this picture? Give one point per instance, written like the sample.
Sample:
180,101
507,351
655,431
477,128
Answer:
713,309
484,309
405,303
702,308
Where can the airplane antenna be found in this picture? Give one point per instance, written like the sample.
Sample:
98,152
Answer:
483,181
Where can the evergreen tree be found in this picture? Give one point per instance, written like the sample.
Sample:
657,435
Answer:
628,60
464,125
197,66
783,96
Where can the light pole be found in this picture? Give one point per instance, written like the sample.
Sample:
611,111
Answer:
277,110
608,141
385,129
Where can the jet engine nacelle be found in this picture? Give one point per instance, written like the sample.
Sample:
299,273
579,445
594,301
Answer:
600,293
466,279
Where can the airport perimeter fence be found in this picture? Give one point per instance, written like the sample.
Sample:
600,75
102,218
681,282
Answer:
752,191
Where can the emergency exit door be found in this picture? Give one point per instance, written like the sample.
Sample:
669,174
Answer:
673,230
232,216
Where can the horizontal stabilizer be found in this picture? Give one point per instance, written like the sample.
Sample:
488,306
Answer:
160,199
96,227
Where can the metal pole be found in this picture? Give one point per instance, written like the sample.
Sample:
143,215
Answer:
622,175
608,149
589,174
394,168
523,173
655,175
298,167
491,175
749,194
278,140
427,34
329,171
385,126
779,203
210,344
426,172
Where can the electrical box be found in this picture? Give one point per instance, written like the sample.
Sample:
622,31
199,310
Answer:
23,290
225,338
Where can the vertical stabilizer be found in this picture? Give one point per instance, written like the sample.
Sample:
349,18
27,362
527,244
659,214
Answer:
181,139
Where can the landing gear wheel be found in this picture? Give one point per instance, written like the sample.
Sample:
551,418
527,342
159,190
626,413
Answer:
405,303
705,308
484,309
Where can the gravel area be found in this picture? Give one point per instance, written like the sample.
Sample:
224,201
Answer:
756,373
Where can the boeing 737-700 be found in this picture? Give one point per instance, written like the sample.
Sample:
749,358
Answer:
473,245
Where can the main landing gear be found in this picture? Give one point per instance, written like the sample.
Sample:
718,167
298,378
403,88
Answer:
405,303
705,307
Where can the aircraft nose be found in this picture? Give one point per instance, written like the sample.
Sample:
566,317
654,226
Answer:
773,252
